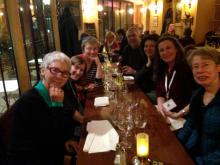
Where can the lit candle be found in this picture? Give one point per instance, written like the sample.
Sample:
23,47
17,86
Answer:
142,140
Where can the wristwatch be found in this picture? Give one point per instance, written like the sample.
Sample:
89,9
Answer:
183,111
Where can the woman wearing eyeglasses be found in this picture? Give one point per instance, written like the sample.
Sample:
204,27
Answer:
38,129
201,132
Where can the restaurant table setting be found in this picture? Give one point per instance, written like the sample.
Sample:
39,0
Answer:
134,124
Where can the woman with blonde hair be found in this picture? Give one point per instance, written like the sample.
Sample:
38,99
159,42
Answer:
111,45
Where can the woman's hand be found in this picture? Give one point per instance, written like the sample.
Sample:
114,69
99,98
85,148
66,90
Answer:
72,145
128,70
174,115
56,94
96,60
90,87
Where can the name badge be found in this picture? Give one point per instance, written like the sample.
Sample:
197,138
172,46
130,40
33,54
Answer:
169,105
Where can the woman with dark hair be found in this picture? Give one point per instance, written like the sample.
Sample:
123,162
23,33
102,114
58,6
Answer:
74,97
201,132
144,77
174,78
77,71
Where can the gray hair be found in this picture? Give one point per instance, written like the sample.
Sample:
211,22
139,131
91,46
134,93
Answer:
132,30
205,53
89,40
55,56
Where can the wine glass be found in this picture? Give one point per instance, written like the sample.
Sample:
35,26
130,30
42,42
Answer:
128,125
140,119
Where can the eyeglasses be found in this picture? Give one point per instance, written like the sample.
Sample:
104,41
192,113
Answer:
204,66
55,71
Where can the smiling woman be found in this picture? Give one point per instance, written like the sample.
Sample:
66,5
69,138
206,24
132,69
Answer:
42,111
200,134
94,72
173,76
205,65
78,68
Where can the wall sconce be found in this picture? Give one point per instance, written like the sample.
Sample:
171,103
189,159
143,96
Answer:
89,11
187,2
1,13
46,2
88,6
100,8
21,9
142,144
188,20
190,3
156,7
179,6
152,7
131,11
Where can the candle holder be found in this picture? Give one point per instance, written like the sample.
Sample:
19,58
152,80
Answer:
142,144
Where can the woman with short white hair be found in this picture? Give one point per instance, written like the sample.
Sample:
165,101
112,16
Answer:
38,129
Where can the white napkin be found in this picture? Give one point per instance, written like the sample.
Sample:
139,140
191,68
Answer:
101,101
89,139
176,123
128,78
101,137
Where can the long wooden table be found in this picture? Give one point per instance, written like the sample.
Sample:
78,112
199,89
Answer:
163,145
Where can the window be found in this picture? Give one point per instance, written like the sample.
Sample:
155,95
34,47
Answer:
9,89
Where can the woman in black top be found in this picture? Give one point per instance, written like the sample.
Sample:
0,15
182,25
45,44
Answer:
144,77
174,79
39,124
